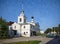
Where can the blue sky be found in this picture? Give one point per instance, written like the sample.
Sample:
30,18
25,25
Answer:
46,12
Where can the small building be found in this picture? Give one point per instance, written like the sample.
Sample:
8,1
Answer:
24,28
52,33
42,32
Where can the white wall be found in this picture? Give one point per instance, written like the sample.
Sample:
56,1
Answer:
25,30
17,28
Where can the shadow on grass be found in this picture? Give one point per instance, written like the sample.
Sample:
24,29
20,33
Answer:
25,42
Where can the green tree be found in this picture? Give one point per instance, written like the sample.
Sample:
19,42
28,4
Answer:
56,29
59,27
48,30
3,28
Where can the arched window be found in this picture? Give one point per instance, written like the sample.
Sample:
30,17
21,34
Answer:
24,26
20,19
24,33
15,27
24,20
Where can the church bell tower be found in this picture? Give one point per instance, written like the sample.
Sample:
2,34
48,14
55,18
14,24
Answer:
22,17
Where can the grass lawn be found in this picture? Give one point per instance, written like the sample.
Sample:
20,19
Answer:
25,42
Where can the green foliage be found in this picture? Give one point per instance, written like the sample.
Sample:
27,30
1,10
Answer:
3,28
48,30
56,29
39,34
25,42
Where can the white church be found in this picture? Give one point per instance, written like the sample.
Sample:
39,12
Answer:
24,28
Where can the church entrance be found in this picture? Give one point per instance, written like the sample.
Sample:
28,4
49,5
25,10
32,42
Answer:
33,33
15,32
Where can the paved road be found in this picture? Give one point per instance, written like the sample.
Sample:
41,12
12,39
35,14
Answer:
39,38
54,41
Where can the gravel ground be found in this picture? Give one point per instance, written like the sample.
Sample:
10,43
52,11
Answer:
43,40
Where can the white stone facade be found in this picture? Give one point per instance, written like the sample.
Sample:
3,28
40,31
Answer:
23,28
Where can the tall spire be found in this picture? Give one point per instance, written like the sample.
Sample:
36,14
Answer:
22,12
22,17
22,6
